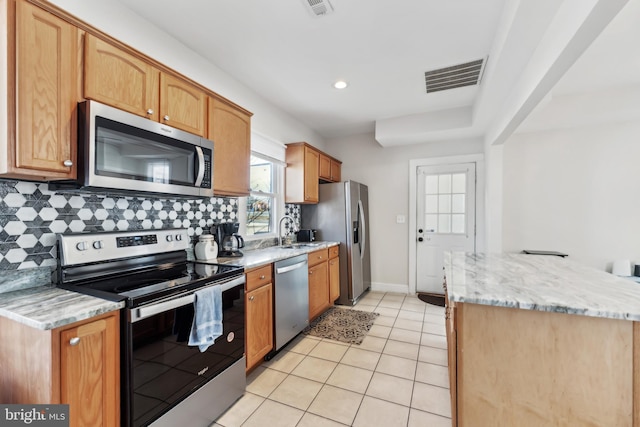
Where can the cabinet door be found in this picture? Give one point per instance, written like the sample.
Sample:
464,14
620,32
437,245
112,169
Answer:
46,73
230,131
311,175
182,105
115,78
89,372
318,290
325,167
334,279
259,324
336,171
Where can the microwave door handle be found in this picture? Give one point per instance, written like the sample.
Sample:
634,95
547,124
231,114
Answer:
200,175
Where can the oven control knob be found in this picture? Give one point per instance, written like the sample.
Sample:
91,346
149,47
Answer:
178,237
98,244
169,238
81,246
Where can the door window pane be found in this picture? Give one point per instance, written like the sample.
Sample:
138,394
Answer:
457,203
431,223
444,184
457,224
431,204
445,203
459,183
444,223
431,184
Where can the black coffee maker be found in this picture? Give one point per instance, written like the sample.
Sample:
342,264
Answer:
229,241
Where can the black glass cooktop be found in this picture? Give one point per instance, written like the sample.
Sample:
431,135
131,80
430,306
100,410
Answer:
153,283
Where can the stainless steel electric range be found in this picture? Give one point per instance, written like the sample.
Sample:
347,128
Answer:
164,382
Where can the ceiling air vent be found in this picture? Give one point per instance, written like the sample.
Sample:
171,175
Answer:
319,7
467,74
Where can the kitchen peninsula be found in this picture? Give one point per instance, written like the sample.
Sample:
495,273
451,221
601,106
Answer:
541,340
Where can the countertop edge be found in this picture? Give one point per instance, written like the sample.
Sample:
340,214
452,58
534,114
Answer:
539,283
67,307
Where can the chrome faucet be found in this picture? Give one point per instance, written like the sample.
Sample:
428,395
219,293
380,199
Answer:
293,224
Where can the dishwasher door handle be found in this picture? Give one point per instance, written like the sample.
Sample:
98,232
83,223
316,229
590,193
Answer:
291,267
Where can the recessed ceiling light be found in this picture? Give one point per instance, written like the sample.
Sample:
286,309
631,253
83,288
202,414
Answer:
340,84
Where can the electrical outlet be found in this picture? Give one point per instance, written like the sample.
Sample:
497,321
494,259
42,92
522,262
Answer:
400,219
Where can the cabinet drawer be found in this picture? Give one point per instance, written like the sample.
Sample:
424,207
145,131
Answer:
334,251
318,256
258,277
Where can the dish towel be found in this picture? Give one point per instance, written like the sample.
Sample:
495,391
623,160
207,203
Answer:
207,319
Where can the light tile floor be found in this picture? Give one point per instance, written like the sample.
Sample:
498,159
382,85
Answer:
397,377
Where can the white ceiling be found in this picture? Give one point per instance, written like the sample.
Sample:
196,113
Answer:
382,48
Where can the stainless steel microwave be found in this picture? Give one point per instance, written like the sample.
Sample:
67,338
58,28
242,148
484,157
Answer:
121,151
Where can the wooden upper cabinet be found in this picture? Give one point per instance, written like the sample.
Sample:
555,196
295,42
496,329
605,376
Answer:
330,168
336,171
311,159
230,131
306,168
116,78
46,77
182,105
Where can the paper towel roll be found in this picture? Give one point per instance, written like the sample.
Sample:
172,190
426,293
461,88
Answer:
621,267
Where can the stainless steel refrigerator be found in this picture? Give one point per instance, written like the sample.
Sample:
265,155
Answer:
342,215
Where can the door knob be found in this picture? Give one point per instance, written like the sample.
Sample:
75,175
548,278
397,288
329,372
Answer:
420,239
420,230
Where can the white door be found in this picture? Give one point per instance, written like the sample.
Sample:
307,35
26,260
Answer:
445,219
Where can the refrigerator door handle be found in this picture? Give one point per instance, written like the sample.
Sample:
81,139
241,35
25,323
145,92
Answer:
363,232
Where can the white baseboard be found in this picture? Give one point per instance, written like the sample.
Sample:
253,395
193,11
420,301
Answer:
389,287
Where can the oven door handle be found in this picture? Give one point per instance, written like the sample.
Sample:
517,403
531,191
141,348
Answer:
140,313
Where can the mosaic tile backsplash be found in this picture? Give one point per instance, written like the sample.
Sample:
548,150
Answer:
31,215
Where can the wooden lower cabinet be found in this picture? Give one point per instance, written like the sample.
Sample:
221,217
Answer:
259,312
334,273
78,364
318,283
516,367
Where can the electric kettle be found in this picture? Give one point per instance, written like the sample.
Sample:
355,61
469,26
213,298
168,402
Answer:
206,248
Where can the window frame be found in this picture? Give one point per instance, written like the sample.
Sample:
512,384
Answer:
277,197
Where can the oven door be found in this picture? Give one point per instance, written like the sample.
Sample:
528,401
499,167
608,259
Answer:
123,151
161,369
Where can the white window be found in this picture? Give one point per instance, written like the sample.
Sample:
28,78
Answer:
260,211
445,201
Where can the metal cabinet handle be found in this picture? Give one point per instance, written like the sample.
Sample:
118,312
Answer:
74,341
166,117
68,163
251,298
262,277
310,273
150,112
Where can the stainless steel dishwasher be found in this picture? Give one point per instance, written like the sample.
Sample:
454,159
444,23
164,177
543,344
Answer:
291,299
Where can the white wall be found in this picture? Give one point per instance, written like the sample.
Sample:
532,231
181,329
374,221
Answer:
574,191
121,23
386,172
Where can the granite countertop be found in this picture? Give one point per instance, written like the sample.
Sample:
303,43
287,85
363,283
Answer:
48,307
258,257
538,282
